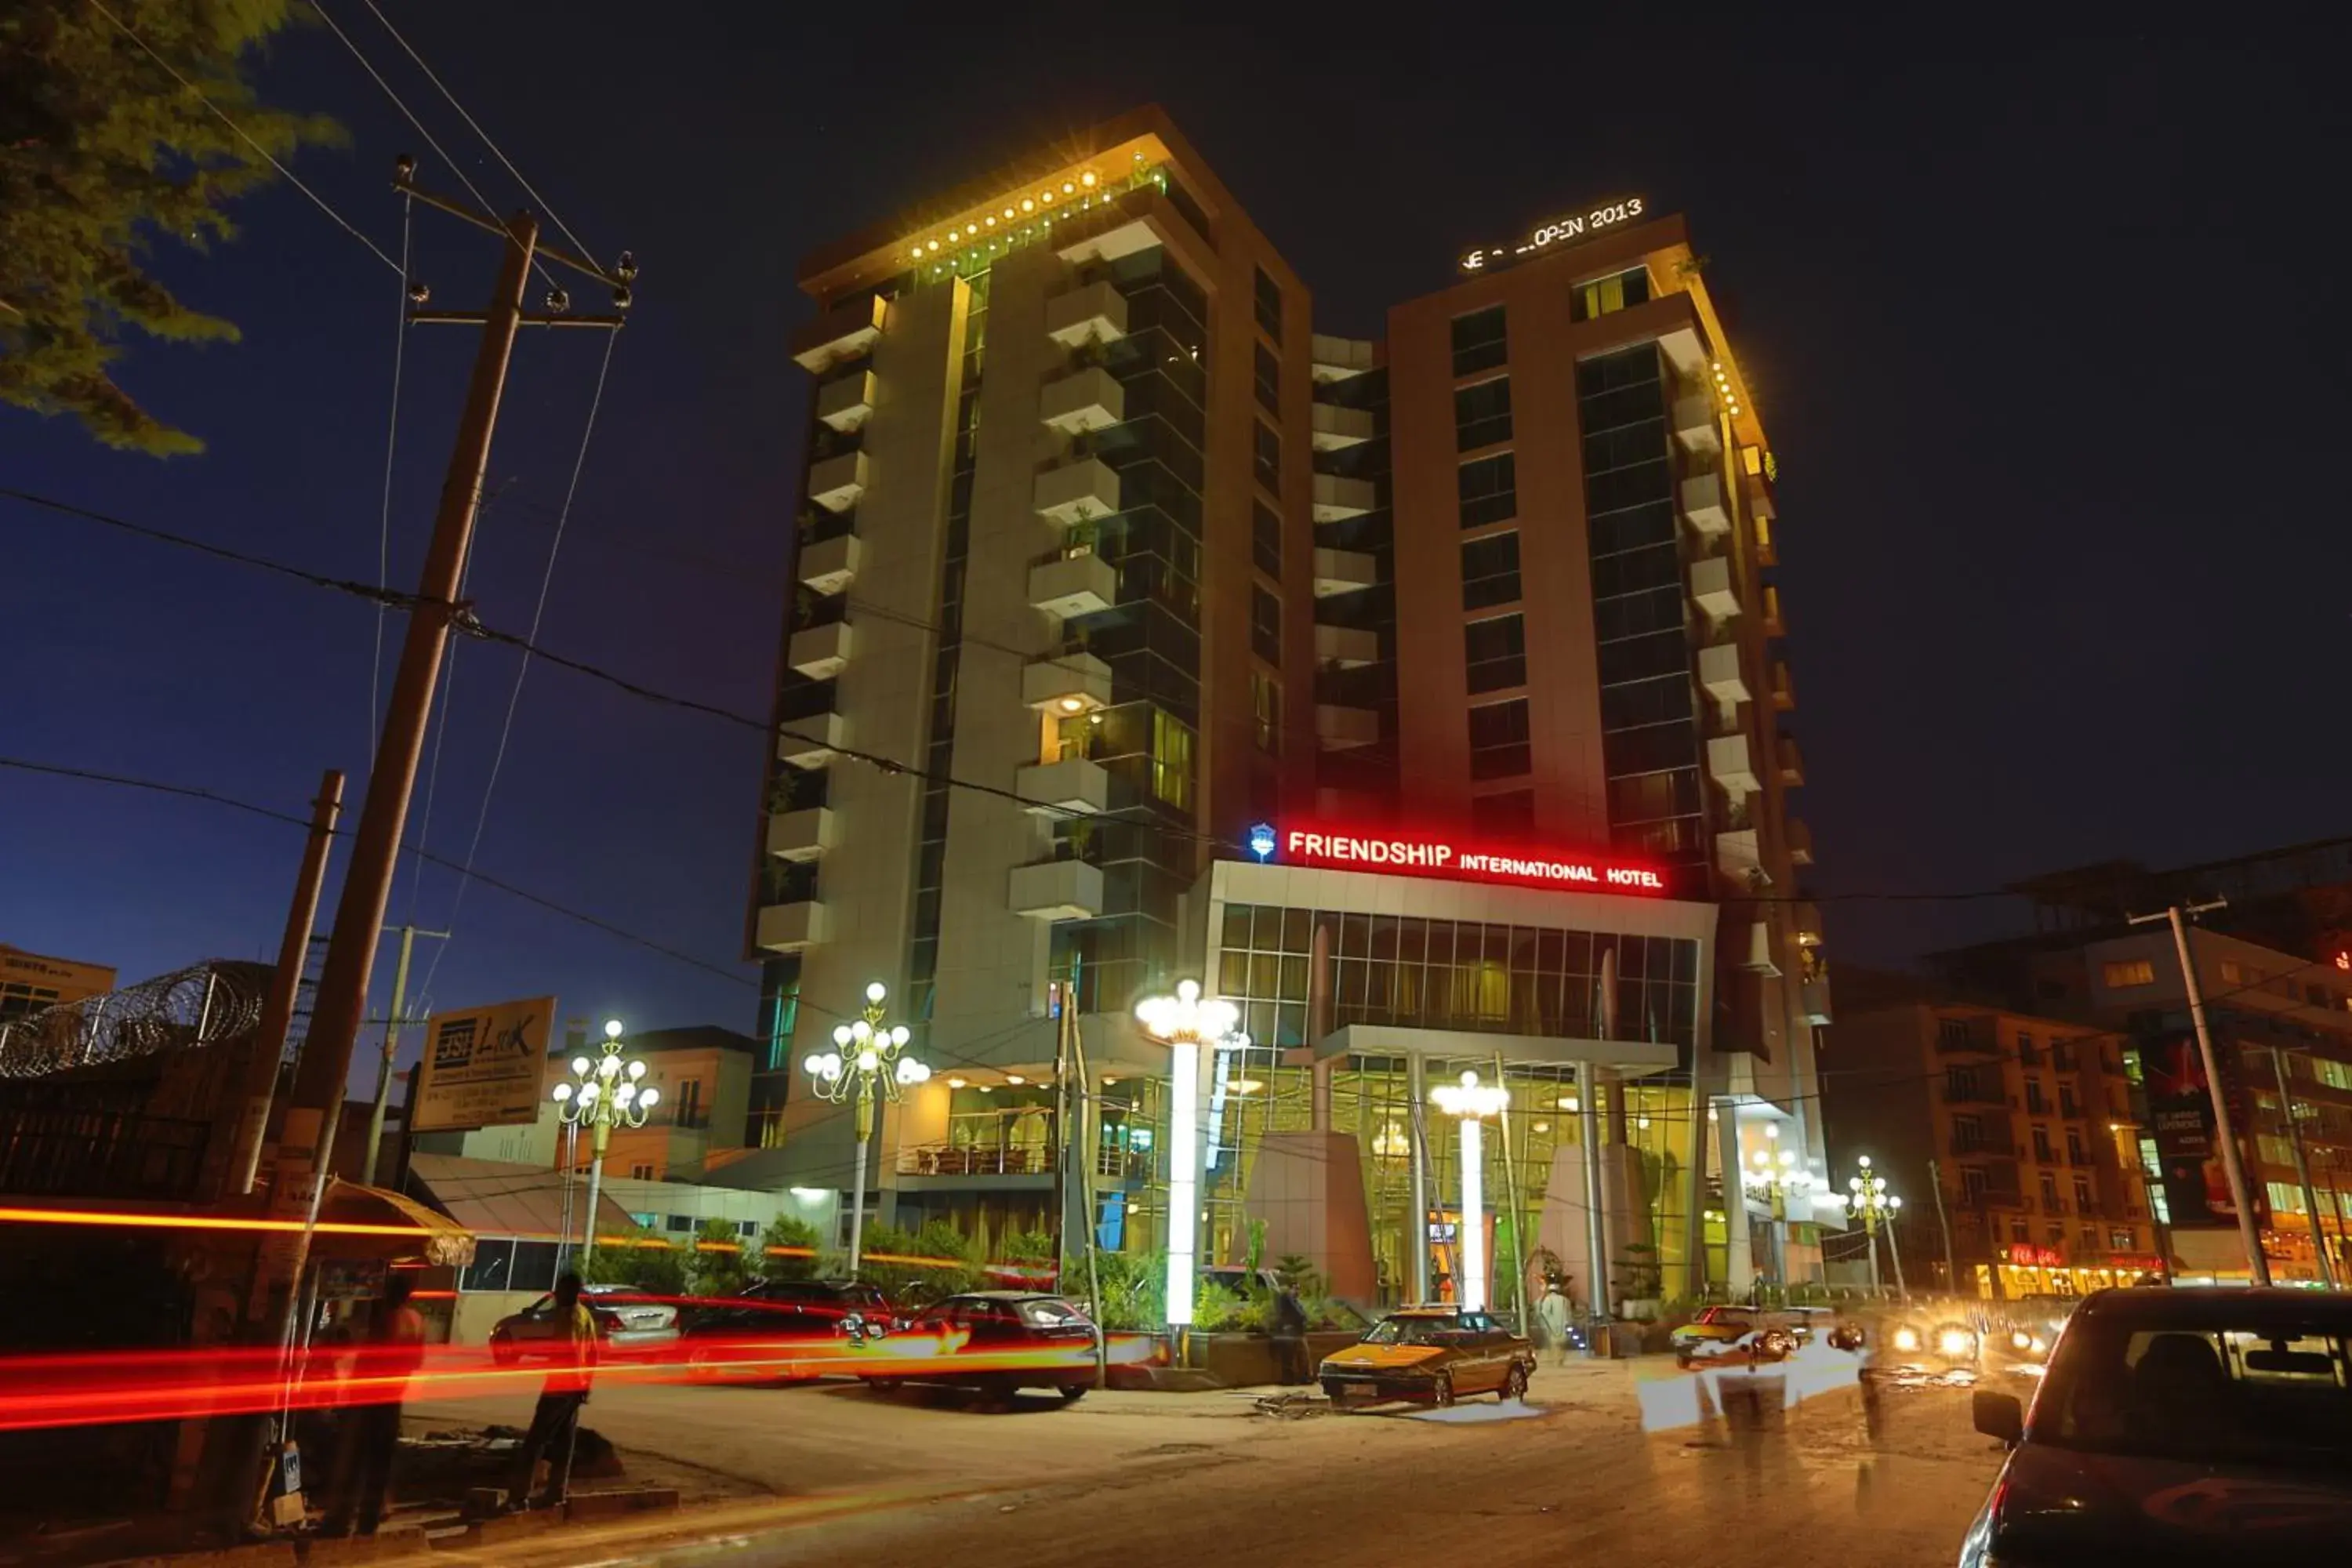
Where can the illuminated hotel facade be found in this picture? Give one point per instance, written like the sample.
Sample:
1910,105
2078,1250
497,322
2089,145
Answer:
1420,695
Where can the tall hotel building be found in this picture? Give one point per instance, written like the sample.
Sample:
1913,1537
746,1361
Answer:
1420,694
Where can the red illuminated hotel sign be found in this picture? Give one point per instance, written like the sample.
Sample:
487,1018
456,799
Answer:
1420,856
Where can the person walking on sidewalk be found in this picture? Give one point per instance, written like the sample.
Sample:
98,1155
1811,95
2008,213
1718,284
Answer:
555,1422
1552,1313
389,1356
1288,1326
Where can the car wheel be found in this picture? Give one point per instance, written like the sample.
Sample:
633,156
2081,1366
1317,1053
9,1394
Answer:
1072,1396
880,1385
1514,1384
1441,1394
503,1353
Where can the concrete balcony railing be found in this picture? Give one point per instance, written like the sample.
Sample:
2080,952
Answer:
1074,783
820,652
1738,856
836,483
1088,399
848,402
1335,427
1695,423
793,928
830,565
1094,313
1338,498
1755,951
843,332
1336,359
1343,572
813,742
1346,647
1072,586
1065,684
1703,505
801,834
1813,1000
1079,491
1719,671
1056,891
1338,728
1730,763
1711,588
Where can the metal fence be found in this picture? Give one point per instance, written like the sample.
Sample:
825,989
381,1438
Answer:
221,999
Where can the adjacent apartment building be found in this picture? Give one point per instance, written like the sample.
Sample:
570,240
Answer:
1422,692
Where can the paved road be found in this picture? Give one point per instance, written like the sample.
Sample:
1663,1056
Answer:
1145,1481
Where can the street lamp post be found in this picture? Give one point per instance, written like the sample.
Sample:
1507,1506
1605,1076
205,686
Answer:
1776,1178
1876,1205
603,1094
1471,1102
1182,1022
866,1051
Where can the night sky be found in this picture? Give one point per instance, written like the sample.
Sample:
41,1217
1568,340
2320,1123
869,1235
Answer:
2047,333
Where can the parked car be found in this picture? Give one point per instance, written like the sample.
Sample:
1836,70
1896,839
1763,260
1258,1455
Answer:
2179,1426
996,1341
1750,1334
629,1325
1428,1356
754,1333
1933,1338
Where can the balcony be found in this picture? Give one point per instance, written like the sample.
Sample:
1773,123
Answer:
800,834
1719,671
841,333
1335,427
1975,1036
813,742
1729,765
837,482
1338,359
1339,729
820,652
1092,399
1056,891
1695,424
1065,684
1801,843
1074,783
1076,493
846,405
974,1160
1805,918
1338,498
1758,491
1096,313
1813,1000
1773,626
1346,647
790,927
1073,585
1984,1148
1791,761
1343,572
1755,954
1711,589
830,565
1738,856
1971,1090
1703,505
1784,687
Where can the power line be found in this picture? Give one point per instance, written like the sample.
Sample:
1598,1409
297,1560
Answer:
316,199
391,446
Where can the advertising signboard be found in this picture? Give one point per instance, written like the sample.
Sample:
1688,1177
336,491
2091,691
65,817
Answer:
2180,1111
483,1066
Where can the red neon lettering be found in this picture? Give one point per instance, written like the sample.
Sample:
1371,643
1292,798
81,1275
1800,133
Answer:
1437,855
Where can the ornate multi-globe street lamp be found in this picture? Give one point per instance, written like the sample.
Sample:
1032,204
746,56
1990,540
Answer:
603,1093
866,1051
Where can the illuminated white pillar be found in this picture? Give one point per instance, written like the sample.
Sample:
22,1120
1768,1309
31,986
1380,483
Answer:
1470,1100
1184,1178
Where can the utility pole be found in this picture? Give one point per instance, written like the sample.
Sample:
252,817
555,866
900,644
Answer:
408,935
1944,1224
2303,1170
2234,1167
285,983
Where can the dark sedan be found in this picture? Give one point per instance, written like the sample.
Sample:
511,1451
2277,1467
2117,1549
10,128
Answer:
789,1330
2177,1426
995,1341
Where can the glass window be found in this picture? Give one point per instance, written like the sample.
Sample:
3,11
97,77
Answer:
1171,759
1478,340
1266,539
1508,816
1266,378
1269,299
2226,1389
1603,295
1266,625
1489,489
1265,455
1482,414
2120,976
1498,740
1496,649
1490,571
1266,711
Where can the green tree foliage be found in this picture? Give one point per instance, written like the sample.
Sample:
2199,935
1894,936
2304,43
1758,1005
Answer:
914,1284
643,1258
1133,1288
718,1266
102,153
787,1231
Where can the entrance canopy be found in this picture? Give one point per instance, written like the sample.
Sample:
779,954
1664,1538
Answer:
1632,1057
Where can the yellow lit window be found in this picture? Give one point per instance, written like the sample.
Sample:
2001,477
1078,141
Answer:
2137,972
1172,760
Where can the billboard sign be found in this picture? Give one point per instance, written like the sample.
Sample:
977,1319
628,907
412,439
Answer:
484,1066
2180,1111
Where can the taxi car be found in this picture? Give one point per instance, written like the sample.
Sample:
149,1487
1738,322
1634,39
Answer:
1765,1335
1429,1356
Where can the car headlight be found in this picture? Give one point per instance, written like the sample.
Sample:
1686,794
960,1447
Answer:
2039,1344
2023,1341
1907,1339
1956,1341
